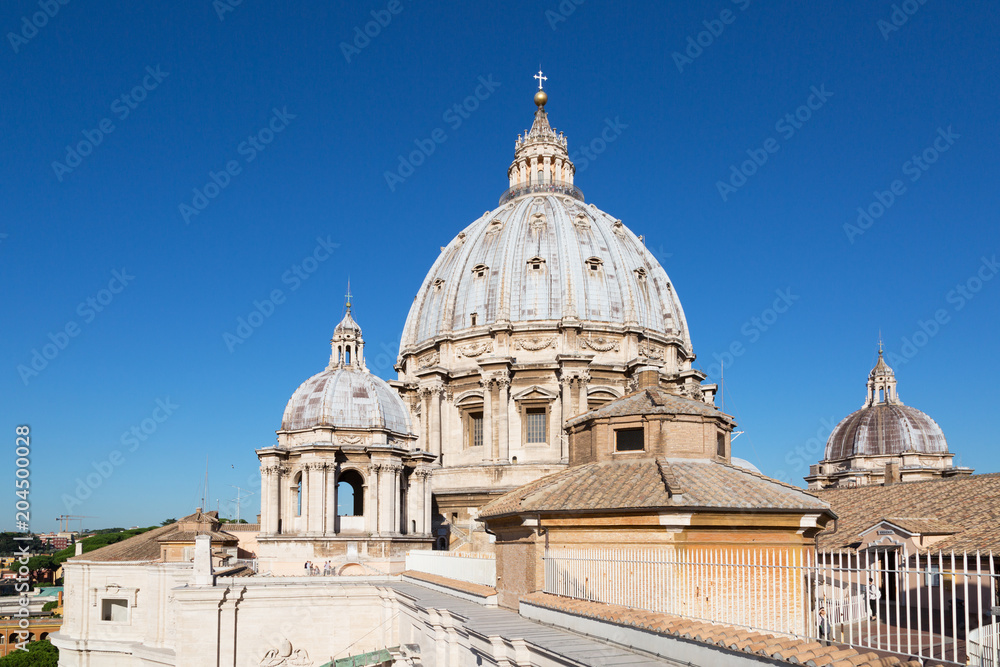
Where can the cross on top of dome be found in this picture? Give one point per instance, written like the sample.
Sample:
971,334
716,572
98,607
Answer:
540,78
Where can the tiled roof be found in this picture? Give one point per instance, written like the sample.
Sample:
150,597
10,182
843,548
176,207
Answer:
650,401
969,503
736,639
652,484
924,525
455,584
145,547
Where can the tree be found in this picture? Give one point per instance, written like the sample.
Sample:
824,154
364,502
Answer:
167,522
39,654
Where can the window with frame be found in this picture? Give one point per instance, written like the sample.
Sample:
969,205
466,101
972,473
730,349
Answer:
720,444
629,440
475,438
535,424
114,610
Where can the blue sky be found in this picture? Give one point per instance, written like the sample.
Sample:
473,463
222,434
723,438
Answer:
278,139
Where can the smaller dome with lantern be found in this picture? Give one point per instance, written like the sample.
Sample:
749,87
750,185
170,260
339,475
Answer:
884,442
345,394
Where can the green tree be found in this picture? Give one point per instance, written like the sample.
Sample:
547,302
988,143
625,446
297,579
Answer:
167,522
39,654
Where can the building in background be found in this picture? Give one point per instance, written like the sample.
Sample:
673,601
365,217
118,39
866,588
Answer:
884,441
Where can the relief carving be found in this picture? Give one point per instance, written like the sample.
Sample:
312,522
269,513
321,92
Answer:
650,351
533,344
599,343
476,349
428,360
286,656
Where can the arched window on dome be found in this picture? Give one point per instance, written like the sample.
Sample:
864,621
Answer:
881,395
347,355
340,354
479,270
594,263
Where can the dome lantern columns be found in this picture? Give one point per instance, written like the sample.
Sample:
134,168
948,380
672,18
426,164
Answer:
541,156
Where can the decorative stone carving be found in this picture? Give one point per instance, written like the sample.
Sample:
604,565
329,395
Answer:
599,343
349,439
429,359
619,229
581,221
650,351
538,222
495,226
286,656
461,238
533,344
476,349
499,378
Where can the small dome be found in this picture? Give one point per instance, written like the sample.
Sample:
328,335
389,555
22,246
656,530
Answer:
885,429
346,397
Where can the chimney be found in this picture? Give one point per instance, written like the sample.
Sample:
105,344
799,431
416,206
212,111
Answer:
79,549
892,473
646,377
203,561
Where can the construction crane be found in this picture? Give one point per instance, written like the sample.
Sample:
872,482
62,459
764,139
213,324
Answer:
64,520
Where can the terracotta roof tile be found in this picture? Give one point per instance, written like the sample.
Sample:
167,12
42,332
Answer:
650,401
652,483
967,507
775,647
145,547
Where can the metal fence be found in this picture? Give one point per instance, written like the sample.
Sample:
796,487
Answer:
983,647
884,600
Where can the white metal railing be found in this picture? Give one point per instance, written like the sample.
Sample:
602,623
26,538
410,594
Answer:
473,568
983,646
916,605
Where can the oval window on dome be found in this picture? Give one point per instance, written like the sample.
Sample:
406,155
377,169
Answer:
594,263
479,270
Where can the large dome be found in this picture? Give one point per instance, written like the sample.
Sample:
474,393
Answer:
885,430
544,258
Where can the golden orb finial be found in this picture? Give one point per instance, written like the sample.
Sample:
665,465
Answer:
541,98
